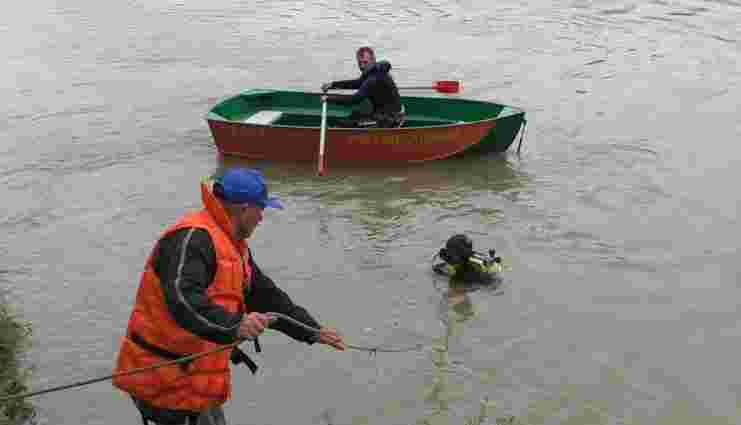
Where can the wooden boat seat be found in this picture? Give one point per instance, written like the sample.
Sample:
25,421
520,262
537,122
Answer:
270,117
316,112
431,120
264,117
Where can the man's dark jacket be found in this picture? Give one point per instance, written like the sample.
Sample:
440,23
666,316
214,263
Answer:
375,85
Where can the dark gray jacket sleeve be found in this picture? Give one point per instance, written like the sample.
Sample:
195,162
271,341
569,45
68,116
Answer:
185,262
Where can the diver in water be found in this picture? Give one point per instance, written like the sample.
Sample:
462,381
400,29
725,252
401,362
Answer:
464,265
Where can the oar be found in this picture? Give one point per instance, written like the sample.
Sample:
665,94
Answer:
322,136
443,86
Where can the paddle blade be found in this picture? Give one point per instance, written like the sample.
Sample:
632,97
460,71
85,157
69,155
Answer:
448,86
320,167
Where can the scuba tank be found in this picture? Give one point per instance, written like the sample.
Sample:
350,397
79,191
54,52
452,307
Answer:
463,263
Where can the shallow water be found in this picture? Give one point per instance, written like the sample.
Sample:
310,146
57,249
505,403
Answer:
619,221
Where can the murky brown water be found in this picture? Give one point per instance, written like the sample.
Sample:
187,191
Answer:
619,220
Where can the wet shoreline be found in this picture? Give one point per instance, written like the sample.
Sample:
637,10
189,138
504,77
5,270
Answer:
14,369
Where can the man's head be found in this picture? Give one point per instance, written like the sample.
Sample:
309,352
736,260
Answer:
366,57
245,195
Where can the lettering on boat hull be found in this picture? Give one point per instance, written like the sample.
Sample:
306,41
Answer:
407,138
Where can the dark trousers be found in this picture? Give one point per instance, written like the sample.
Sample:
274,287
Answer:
155,416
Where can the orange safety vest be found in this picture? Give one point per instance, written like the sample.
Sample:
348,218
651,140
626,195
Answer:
206,381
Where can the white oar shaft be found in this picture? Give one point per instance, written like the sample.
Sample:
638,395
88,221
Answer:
322,138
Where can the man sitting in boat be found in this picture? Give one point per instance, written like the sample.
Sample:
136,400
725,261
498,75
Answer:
376,85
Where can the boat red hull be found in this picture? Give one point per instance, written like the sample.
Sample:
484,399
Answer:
347,145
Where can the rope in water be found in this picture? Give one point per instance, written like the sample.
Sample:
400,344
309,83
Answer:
189,358
352,347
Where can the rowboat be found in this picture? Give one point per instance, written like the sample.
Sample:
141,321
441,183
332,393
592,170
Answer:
284,125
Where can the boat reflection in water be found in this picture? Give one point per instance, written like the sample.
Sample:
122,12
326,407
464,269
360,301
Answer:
388,200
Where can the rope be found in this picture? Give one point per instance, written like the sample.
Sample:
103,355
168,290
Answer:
191,357
373,350
125,373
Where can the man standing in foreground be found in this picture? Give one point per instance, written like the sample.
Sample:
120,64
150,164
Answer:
202,289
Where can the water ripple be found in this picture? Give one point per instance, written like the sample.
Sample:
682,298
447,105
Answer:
602,219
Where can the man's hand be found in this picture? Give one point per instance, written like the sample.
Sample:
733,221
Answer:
326,87
323,98
330,337
253,325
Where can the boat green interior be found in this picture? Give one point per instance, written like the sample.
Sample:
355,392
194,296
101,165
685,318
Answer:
300,109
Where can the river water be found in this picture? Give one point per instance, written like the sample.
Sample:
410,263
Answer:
618,222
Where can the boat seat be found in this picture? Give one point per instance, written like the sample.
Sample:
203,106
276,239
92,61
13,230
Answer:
432,119
266,117
317,112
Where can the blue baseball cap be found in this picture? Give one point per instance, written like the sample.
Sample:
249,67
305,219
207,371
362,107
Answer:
246,186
